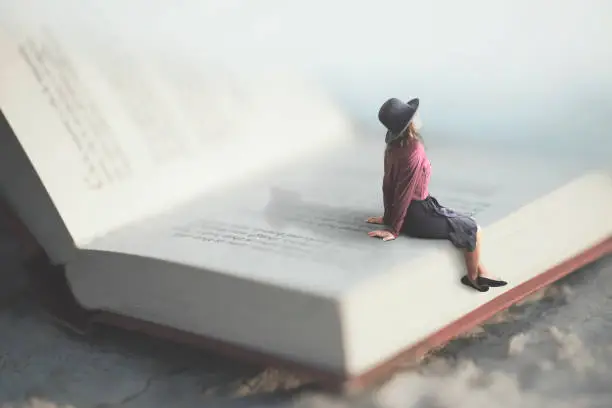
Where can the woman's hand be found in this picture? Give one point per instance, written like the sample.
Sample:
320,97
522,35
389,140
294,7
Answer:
384,234
375,220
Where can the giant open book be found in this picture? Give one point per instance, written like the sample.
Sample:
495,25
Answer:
184,208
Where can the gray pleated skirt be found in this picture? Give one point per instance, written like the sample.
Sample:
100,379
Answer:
429,220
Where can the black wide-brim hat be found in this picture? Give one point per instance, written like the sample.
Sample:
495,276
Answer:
396,115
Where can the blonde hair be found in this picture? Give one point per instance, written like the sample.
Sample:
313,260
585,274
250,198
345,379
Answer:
412,133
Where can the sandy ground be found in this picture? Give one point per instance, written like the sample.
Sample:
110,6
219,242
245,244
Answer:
114,368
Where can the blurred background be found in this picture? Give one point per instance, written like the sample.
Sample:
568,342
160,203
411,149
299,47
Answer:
533,73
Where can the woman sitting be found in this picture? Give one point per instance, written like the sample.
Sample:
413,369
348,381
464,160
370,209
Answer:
409,209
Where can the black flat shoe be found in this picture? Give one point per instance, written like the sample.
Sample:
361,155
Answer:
491,282
480,287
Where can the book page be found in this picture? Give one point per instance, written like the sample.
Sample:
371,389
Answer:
116,138
306,228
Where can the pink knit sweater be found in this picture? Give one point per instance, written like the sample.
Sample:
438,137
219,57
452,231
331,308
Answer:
406,178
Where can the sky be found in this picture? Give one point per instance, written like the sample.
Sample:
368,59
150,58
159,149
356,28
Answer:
520,72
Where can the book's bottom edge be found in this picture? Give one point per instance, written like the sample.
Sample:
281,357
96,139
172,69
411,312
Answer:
53,291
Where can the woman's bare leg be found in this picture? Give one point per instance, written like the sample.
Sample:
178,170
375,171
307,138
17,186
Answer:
472,260
483,272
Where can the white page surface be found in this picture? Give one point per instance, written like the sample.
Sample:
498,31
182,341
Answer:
304,228
116,137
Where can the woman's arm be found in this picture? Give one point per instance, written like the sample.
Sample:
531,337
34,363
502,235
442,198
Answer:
406,179
387,189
